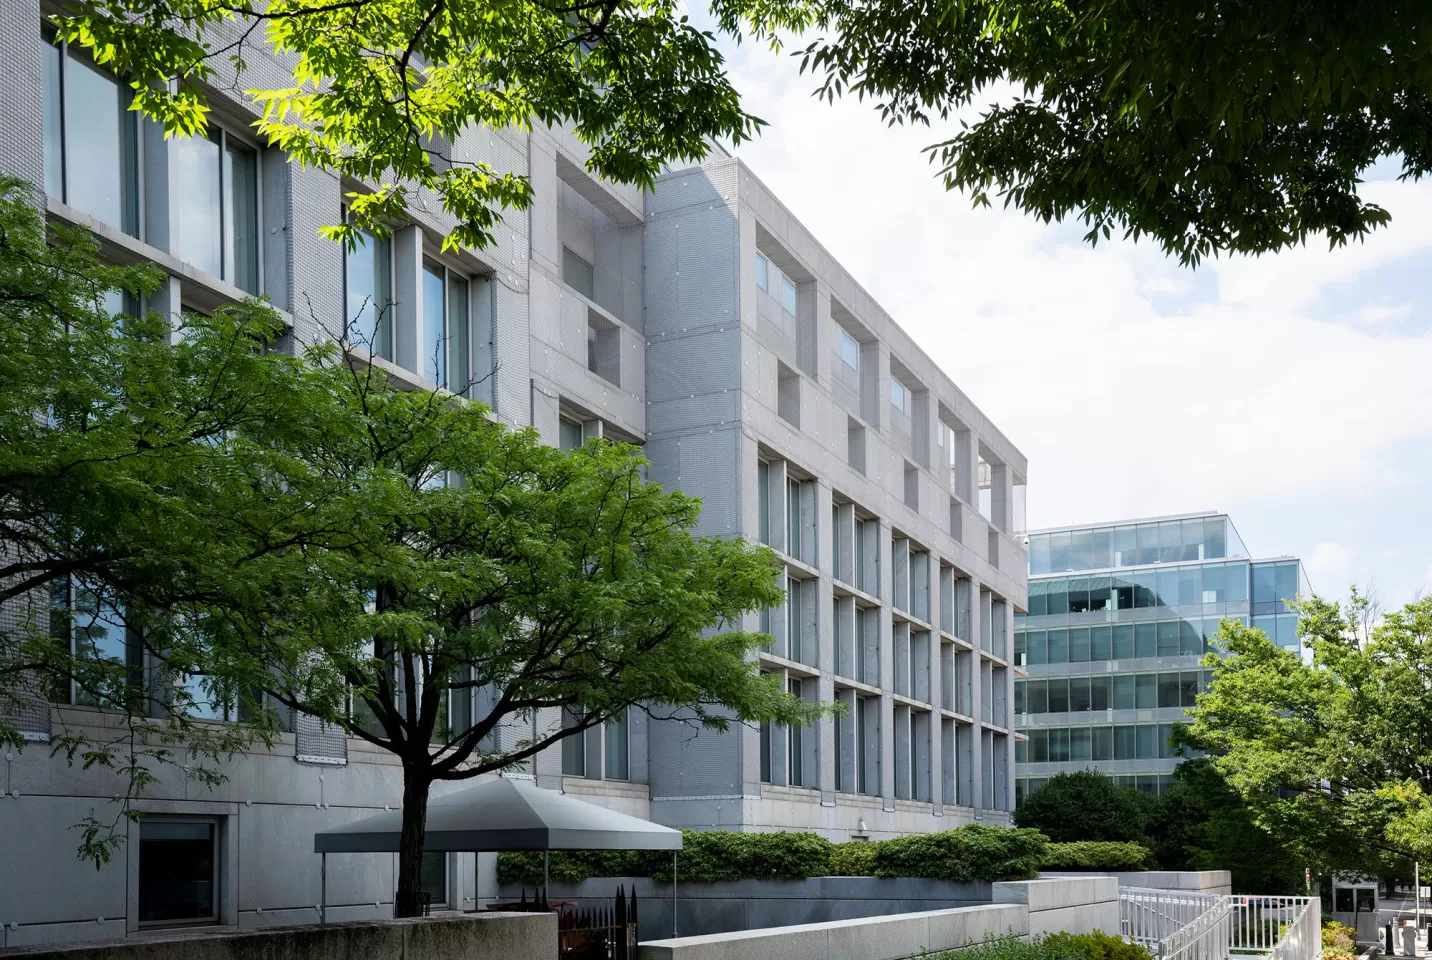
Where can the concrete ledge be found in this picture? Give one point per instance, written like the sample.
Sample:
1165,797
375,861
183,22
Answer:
869,938
1193,881
490,936
706,908
1056,892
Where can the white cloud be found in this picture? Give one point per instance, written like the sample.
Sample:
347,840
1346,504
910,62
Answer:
1134,386
1330,562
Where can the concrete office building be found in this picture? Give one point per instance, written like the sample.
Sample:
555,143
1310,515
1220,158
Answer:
1120,615
700,320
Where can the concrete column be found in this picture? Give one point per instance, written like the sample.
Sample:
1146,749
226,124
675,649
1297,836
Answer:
887,659
936,645
1001,495
977,762
966,469
827,750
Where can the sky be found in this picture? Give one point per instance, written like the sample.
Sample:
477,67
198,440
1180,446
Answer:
1291,391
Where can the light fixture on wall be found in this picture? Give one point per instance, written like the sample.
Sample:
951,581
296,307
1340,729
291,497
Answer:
863,827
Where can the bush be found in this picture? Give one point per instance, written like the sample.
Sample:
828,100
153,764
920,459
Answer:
1086,806
1058,946
1096,946
706,857
1095,855
1338,938
854,859
970,854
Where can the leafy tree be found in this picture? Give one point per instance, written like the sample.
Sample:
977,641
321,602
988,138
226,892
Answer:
1200,823
380,89
112,466
482,562
1085,805
1334,756
1243,127
292,534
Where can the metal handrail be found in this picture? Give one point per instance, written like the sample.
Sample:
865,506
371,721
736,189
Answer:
1191,926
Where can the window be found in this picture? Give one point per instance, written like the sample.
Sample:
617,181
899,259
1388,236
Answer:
94,629
899,396
443,341
788,296
571,434
578,274
795,743
368,294
433,340
793,518
432,880
91,139
574,746
618,748
219,207
850,353
763,273
178,871
763,501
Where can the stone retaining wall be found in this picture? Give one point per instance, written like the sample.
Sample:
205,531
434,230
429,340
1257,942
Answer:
490,936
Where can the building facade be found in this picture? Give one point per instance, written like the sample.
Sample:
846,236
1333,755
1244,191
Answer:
700,320
1120,616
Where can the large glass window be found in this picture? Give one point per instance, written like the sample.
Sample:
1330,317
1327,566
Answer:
763,272
95,629
850,351
218,207
368,294
91,139
578,274
178,871
899,395
433,341
617,748
788,296
432,881
444,340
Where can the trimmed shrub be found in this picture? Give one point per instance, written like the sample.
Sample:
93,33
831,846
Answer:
970,854
1057,946
1338,938
853,859
1095,855
706,857
1096,946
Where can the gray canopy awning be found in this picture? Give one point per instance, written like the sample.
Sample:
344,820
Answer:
504,815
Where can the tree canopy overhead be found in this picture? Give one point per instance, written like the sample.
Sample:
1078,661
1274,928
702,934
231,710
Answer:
1334,755
1239,126
380,89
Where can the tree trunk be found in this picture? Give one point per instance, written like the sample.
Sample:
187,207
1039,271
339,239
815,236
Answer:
408,902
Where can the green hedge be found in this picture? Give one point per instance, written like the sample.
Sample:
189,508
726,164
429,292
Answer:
970,853
1095,855
1057,946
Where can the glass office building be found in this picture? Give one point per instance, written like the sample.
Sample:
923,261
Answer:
1119,616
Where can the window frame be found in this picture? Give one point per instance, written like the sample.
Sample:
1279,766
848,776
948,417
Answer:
846,340
216,884
136,199
221,135
449,273
904,393
382,343
763,272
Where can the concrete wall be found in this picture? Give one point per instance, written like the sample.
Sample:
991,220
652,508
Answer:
1070,904
876,938
1075,905
706,908
498,936
1193,881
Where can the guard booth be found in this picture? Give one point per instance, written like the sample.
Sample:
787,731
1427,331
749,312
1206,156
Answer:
1355,903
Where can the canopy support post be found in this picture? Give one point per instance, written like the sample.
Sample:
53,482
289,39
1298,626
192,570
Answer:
673,893
546,855
323,888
